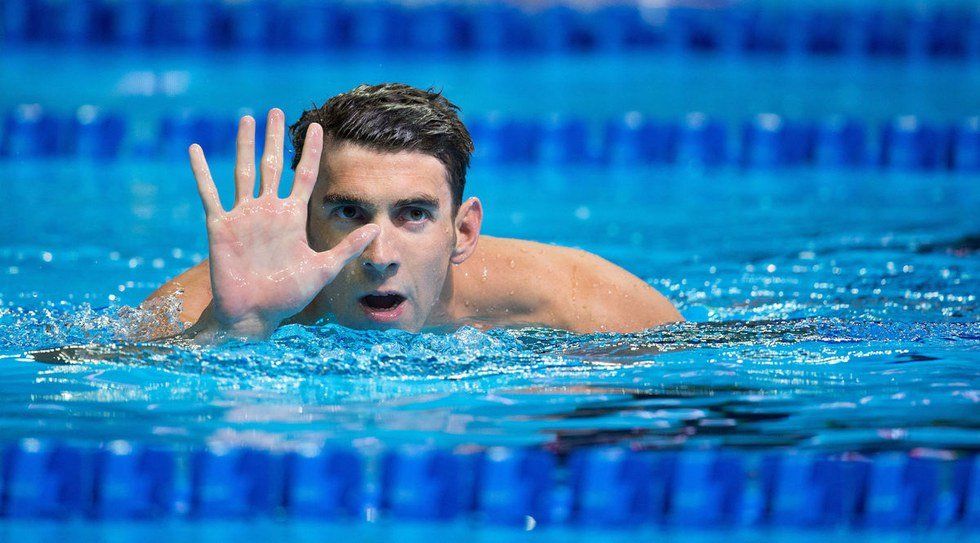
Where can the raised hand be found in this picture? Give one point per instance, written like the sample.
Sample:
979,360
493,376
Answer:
262,267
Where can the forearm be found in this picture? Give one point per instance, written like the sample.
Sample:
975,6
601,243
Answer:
209,331
193,289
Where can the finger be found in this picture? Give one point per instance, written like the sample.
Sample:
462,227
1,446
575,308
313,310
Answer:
347,250
205,185
245,160
272,153
309,164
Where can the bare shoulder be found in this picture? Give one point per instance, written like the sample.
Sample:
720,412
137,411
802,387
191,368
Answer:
489,288
524,281
192,287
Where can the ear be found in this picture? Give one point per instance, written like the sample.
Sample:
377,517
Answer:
469,218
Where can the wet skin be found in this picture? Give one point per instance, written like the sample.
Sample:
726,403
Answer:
371,239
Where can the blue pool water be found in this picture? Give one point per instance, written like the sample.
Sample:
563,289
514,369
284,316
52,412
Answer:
829,310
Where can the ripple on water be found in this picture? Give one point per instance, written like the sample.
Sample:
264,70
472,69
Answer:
809,382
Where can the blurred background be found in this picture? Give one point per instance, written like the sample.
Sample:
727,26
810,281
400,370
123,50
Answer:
755,116
124,78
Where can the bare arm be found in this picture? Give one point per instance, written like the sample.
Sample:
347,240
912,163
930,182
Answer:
192,288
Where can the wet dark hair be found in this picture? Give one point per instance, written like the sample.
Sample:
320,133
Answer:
394,117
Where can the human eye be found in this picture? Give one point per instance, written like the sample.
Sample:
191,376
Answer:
415,214
347,212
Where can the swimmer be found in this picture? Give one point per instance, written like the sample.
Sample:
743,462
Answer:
376,234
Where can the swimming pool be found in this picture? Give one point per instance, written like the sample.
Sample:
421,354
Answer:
832,305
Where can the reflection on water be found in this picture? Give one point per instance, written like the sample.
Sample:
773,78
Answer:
816,382
830,310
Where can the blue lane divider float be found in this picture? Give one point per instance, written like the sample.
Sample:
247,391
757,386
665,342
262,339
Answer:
599,487
94,133
514,484
839,142
701,141
967,492
613,487
29,132
707,489
770,141
809,491
965,146
234,482
941,31
132,482
765,141
910,144
323,483
422,483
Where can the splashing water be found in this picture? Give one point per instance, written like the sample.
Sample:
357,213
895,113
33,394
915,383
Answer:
812,382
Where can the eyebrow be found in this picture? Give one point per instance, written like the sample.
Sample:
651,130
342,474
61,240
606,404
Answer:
424,200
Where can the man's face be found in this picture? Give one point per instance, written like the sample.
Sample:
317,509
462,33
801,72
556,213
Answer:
397,281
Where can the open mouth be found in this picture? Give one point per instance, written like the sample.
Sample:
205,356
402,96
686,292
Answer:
383,307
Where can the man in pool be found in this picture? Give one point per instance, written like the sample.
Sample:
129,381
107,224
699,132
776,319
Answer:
376,234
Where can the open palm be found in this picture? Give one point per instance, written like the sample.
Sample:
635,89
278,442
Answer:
263,269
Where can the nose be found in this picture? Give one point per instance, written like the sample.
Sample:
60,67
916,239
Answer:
381,256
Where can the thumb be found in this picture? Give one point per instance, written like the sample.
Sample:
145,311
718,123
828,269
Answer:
330,262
